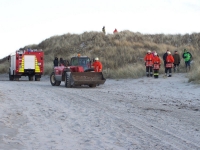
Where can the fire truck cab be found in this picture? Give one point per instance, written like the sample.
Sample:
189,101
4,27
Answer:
26,63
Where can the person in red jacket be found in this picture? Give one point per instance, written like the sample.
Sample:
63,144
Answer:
156,65
97,65
115,31
169,64
148,63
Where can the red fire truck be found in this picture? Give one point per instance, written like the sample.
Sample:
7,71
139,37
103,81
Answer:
26,63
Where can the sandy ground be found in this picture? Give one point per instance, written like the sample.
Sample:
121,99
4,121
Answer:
143,113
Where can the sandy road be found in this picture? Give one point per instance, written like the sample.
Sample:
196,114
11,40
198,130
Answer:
126,114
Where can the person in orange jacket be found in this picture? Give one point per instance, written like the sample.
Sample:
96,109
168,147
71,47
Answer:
149,63
156,65
169,64
97,65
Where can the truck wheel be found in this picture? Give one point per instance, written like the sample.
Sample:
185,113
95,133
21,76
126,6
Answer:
16,79
58,83
37,79
10,77
68,80
52,79
30,78
92,85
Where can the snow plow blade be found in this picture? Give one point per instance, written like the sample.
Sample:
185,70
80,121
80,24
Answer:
87,78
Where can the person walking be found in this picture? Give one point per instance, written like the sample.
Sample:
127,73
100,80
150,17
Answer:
187,56
169,64
104,30
164,57
156,65
148,63
177,60
97,65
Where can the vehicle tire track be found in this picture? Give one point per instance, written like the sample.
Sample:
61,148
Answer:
170,138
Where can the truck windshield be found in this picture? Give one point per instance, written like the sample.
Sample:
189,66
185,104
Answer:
78,61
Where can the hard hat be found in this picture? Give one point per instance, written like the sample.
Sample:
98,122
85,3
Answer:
168,52
96,58
155,54
148,51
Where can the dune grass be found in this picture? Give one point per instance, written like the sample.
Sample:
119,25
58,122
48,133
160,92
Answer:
4,66
121,54
194,74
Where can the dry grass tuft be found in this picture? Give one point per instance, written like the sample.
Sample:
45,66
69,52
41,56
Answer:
128,71
194,75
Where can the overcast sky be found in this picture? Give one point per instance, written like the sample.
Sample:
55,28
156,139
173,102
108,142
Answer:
25,22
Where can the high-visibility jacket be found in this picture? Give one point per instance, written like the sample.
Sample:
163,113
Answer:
97,66
148,59
187,56
170,59
156,60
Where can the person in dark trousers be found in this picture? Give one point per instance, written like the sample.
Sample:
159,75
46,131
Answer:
156,65
148,59
164,58
104,30
177,60
55,62
187,56
169,64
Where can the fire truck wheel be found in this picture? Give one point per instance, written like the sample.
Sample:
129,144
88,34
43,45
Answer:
68,80
30,78
37,79
52,79
16,79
